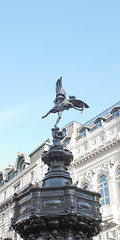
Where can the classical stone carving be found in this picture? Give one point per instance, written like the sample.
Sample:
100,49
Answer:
107,166
90,174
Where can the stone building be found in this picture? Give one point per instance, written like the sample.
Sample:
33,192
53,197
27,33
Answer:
27,169
96,167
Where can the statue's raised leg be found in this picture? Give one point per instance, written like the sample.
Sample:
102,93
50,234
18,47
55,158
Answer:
59,117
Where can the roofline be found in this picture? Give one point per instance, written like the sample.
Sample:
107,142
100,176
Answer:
45,142
102,114
71,123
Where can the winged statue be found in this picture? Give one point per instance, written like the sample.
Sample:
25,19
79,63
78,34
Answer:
62,103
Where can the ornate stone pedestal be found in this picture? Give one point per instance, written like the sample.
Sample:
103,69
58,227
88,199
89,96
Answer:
58,209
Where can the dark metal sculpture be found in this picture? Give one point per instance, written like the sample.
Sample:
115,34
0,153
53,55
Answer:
62,103
58,210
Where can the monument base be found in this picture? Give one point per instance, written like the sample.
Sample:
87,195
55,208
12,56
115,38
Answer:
58,210
61,235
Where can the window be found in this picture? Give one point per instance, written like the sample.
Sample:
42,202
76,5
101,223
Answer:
85,185
118,179
15,236
104,190
20,166
1,180
116,113
3,230
4,195
3,218
17,187
83,133
32,176
100,236
67,140
99,123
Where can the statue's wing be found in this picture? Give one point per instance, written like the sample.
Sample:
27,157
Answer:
59,88
78,103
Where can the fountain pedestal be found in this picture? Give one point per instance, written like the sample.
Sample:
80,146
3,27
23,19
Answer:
58,209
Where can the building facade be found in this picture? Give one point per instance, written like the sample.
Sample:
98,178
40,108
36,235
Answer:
96,167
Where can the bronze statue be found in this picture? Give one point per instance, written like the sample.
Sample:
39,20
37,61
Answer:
61,103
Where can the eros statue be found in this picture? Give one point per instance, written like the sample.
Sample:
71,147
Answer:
62,103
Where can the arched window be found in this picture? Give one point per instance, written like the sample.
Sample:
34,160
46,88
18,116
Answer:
118,178
20,166
1,180
83,133
85,185
99,124
104,190
115,112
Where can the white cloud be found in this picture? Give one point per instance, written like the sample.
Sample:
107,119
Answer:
13,115
9,114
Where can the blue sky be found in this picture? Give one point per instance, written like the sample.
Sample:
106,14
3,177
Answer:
41,41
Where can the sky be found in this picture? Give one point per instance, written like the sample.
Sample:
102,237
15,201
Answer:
41,41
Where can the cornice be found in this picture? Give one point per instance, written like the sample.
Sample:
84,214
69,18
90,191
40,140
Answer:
95,152
7,202
102,129
18,176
